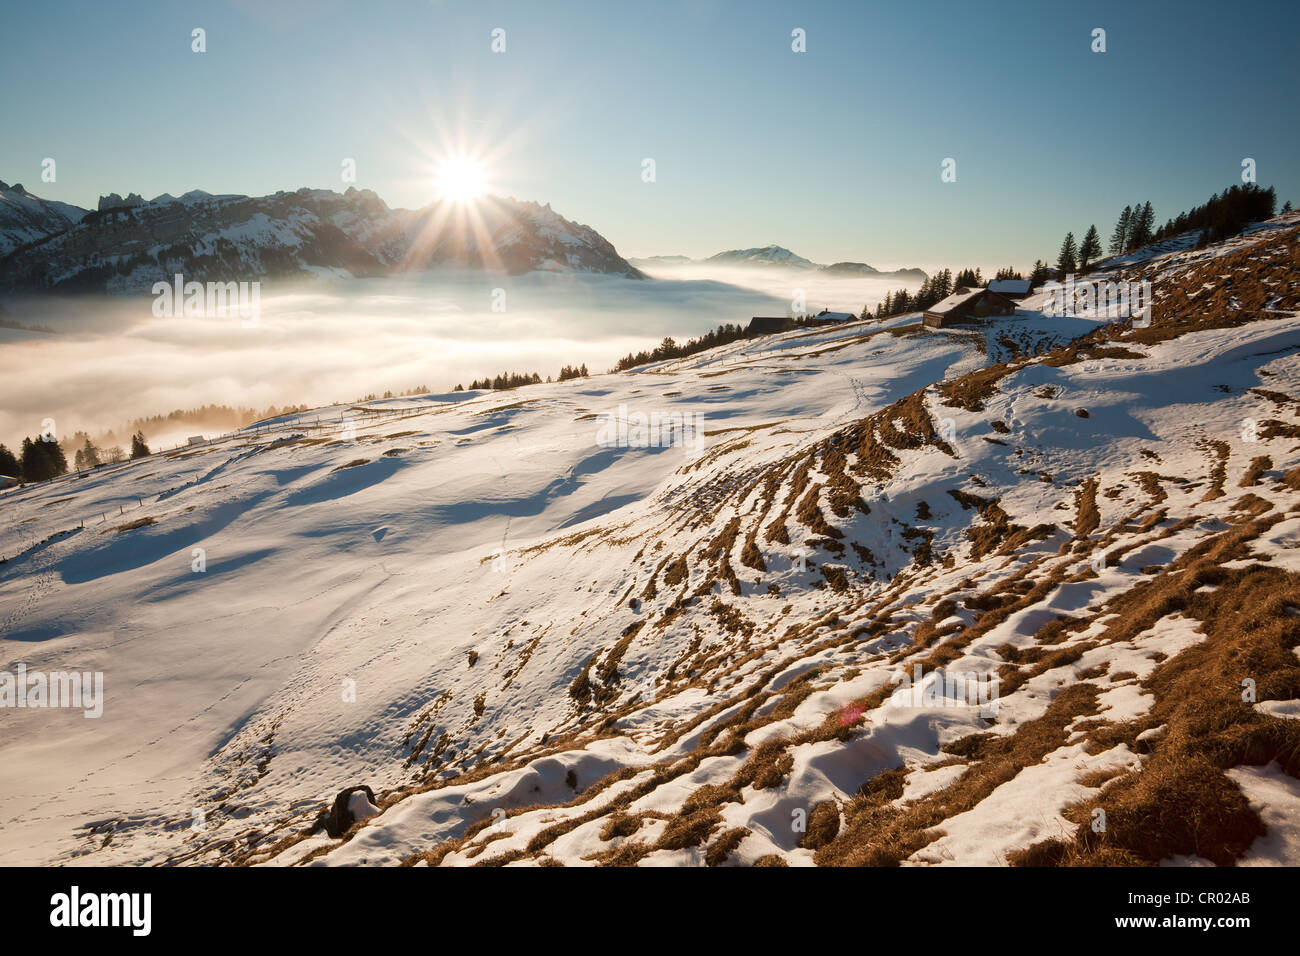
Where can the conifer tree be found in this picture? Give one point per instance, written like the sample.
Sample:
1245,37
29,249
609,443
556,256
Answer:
1140,233
1119,238
1066,260
88,456
1090,249
42,460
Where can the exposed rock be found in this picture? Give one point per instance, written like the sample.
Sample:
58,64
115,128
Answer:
351,806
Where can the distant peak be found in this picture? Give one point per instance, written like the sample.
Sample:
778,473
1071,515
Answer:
771,254
115,201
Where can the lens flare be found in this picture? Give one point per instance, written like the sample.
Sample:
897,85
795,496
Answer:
460,179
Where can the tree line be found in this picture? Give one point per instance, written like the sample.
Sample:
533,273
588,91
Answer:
508,380
41,458
224,417
1224,214
670,349
933,289
372,397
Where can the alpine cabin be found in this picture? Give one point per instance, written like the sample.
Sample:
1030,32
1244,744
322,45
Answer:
1015,289
967,305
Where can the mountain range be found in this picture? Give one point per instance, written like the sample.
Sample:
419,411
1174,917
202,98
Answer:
126,245
779,256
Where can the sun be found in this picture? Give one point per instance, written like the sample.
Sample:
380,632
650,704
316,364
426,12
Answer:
460,179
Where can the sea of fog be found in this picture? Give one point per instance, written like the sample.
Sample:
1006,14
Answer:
109,360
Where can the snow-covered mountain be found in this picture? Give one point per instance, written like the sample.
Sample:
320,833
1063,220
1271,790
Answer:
26,218
858,269
665,260
762,256
128,244
781,257
541,640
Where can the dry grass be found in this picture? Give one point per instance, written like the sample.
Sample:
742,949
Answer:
823,825
137,523
725,845
1205,735
352,464
1219,450
877,833
1088,517
1258,466
1181,802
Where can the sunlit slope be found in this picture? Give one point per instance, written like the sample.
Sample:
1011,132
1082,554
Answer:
311,525
537,649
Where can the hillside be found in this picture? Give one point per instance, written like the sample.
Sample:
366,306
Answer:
128,245
539,650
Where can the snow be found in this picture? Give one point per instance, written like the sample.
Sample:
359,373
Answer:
1276,798
376,576
954,300
764,255
1021,812
25,218
360,807
1010,286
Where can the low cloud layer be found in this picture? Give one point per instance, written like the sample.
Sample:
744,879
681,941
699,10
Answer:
112,360
817,289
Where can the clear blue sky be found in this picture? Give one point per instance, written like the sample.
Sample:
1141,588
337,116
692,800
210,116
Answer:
834,152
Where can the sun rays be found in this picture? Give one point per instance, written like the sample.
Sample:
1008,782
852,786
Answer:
461,158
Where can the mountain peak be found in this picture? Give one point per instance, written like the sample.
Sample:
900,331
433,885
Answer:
769,255
299,234
25,218
115,201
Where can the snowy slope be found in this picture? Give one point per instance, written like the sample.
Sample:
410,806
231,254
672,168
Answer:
538,649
